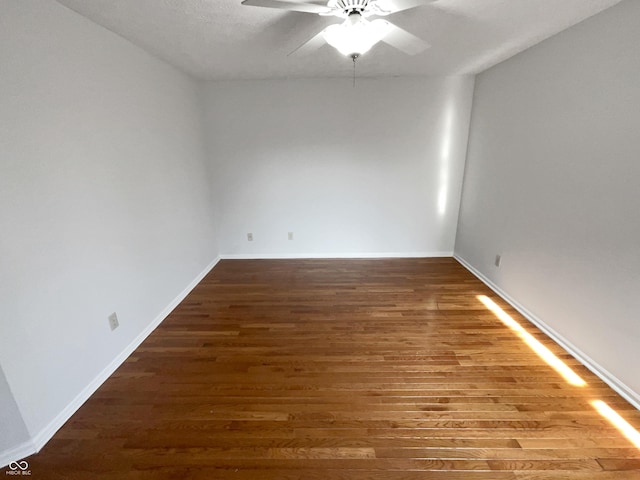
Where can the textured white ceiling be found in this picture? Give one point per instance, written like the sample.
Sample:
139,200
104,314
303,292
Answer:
222,39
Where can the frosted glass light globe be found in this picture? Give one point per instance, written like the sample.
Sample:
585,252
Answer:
356,35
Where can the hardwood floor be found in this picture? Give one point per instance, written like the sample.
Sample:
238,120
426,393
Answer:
342,369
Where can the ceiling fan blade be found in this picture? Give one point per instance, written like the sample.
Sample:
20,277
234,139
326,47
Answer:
310,45
403,40
288,5
393,6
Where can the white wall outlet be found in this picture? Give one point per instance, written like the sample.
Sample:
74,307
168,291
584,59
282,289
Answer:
498,260
113,321
290,235
250,237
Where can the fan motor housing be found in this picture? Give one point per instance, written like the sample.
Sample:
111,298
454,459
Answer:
351,6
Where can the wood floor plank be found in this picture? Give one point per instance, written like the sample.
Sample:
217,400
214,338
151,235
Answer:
342,369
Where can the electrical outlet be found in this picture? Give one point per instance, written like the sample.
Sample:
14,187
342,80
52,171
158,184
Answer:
498,260
113,321
250,237
290,235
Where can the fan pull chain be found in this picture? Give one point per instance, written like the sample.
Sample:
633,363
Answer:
354,57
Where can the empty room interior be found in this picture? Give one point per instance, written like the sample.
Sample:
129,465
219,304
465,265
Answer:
239,241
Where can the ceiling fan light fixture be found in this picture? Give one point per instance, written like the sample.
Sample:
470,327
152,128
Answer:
356,35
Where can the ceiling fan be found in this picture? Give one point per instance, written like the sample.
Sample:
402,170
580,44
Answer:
356,35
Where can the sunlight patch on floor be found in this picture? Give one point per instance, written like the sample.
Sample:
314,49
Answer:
543,352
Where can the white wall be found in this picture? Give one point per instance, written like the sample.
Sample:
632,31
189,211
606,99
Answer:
13,430
104,201
553,184
371,170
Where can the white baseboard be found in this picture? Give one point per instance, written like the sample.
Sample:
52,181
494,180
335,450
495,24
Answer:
43,436
301,256
17,453
620,387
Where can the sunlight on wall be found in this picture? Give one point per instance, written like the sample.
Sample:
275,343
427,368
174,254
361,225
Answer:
442,200
543,352
445,159
620,423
